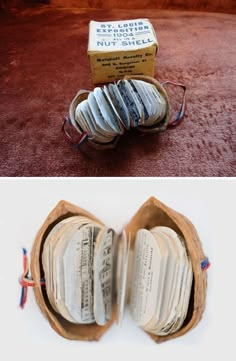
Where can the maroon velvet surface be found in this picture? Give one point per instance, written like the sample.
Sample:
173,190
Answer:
44,63
227,6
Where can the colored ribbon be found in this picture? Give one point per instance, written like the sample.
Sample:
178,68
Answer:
25,280
205,264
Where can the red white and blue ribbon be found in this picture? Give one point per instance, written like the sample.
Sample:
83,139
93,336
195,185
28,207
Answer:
205,264
25,280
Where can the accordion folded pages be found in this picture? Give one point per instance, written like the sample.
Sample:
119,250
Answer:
109,111
83,275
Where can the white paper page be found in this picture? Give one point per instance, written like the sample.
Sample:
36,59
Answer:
182,262
106,111
120,105
68,231
103,267
47,258
122,291
97,114
159,319
146,277
78,268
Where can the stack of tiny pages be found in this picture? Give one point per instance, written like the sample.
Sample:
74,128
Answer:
109,111
86,265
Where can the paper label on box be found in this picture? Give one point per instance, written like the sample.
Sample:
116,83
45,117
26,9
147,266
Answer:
121,35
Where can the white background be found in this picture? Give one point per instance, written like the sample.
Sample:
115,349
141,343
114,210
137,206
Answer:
208,203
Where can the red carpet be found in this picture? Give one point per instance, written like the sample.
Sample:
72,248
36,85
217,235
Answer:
43,63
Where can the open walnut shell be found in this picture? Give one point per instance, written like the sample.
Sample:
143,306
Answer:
87,332
152,213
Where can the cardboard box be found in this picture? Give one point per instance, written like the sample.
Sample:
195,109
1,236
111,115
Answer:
119,48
